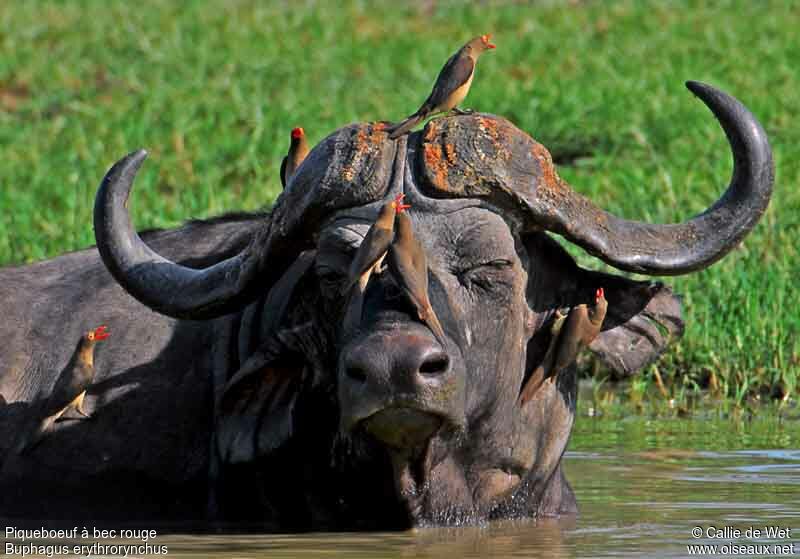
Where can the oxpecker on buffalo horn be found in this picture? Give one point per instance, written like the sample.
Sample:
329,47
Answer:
298,150
451,86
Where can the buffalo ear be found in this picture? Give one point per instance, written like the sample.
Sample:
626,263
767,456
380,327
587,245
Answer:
642,317
255,413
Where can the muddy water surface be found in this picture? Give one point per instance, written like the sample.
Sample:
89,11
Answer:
643,486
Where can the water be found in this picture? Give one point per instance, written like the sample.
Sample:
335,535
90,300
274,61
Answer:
642,486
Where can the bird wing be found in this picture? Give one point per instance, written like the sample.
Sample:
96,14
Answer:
74,379
456,72
375,244
283,171
410,276
410,269
597,317
545,368
419,261
571,338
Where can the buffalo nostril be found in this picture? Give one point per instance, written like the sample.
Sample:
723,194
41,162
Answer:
435,364
356,373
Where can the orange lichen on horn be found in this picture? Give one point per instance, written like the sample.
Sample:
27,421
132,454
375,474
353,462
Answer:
550,178
376,133
437,165
361,140
450,153
431,130
361,147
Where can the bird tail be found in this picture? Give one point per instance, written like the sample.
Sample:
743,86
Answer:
532,385
429,317
404,126
34,437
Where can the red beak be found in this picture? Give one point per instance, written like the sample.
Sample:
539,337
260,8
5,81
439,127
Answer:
298,133
100,333
399,206
486,43
599,294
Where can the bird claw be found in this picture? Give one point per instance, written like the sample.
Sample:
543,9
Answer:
558,322
459,111
83,415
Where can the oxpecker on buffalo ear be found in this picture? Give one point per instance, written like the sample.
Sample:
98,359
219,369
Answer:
570,334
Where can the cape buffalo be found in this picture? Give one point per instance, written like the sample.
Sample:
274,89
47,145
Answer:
231,385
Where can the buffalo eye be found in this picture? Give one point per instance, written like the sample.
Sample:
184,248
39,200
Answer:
488,276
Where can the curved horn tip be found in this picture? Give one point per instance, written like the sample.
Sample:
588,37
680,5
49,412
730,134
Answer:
706,93
134,158
698,88
128,165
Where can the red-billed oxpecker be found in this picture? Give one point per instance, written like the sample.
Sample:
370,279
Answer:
298,149
451,86
70,388
570,334
407,263
369,258
370,254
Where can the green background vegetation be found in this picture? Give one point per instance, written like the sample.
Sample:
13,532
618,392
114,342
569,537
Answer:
212,89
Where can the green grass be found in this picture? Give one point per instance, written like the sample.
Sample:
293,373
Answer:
213,88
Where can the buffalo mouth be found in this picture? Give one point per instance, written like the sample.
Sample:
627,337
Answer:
402,427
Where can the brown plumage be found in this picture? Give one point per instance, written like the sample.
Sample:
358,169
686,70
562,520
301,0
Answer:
69,390
570,334
451,86
298,149
369,258
409,267
372,251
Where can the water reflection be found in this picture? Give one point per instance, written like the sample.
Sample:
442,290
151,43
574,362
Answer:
642,485
545,538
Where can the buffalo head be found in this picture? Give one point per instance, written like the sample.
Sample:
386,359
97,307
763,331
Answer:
376,421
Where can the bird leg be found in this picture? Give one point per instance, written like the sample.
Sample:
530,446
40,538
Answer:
377,268
460,111
77,406
79,409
